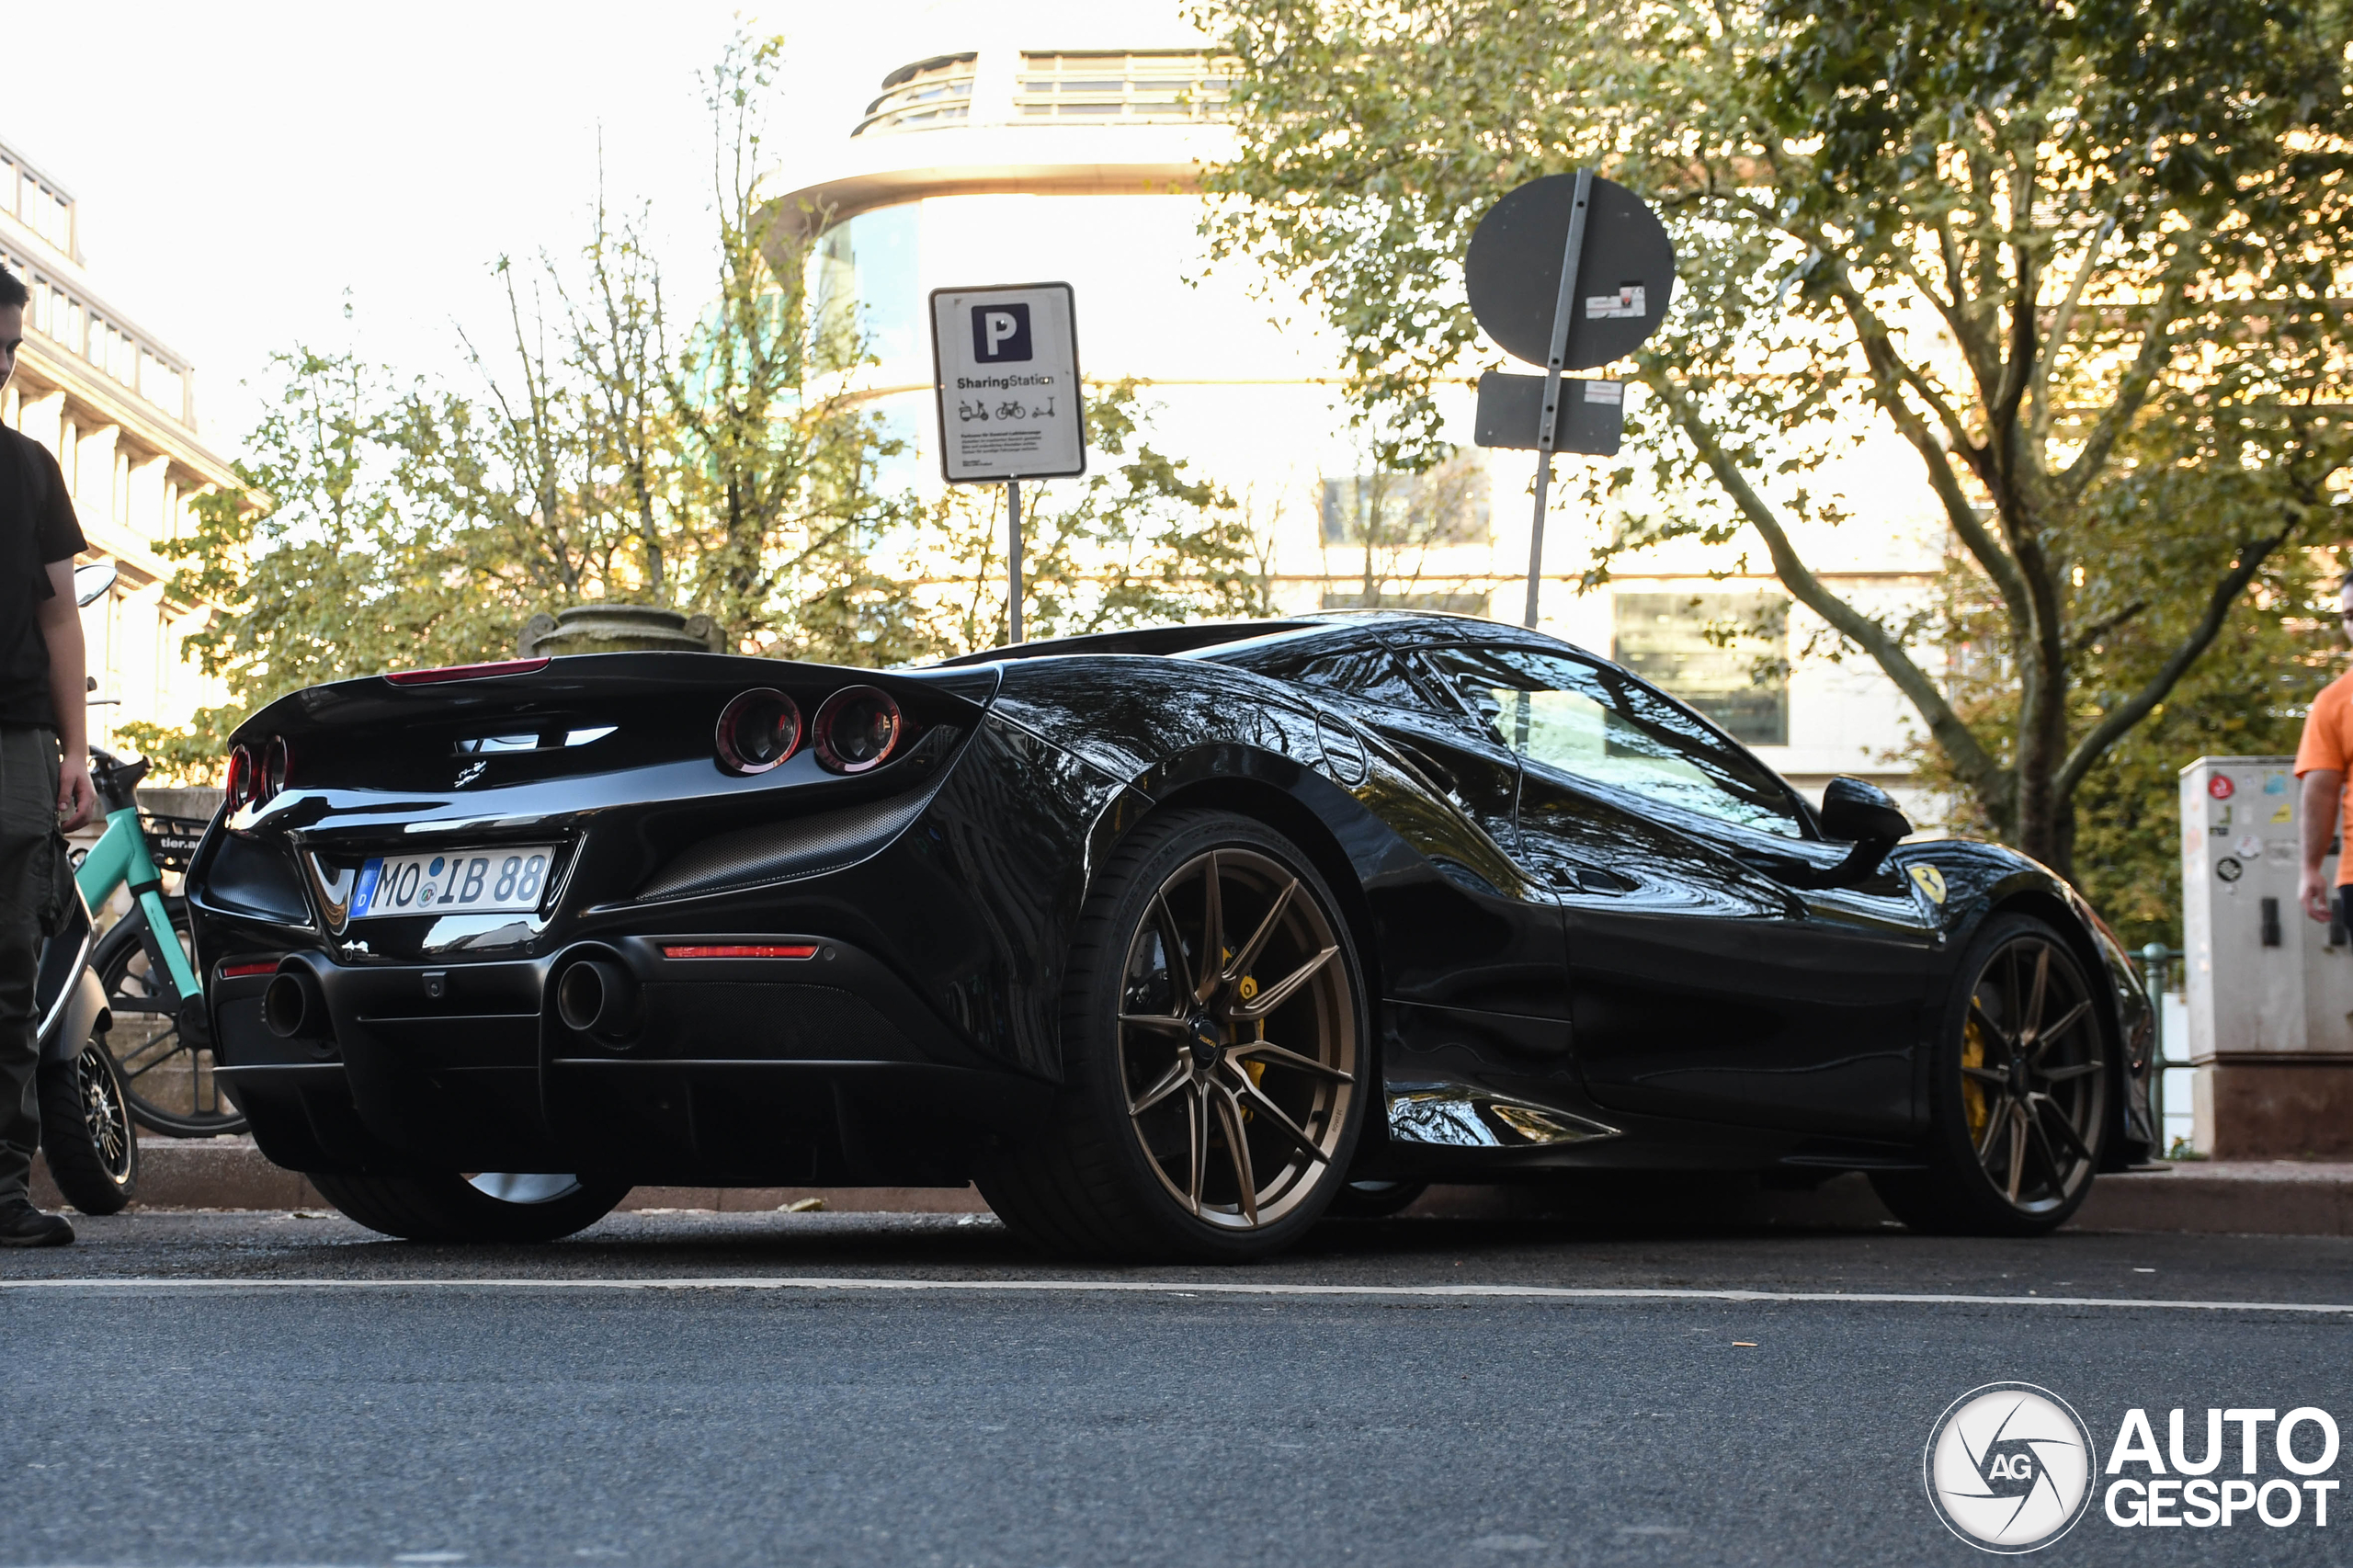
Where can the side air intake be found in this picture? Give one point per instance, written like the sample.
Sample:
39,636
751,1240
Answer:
784,851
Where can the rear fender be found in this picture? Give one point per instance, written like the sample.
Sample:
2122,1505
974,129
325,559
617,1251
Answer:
83,1013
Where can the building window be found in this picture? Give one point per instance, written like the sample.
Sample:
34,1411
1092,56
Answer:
1448,505
1175,86
928,94
1447,604
866,300
1726,654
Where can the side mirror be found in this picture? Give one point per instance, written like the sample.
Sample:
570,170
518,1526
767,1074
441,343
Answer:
1856,812
91,583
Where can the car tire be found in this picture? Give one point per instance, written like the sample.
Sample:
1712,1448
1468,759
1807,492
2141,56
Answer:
1176,1095
2018,1090
86,1132
456,1208
1375,1199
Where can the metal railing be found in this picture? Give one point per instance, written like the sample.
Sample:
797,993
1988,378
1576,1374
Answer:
2156,966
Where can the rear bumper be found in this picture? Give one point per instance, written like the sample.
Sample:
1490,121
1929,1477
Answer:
722,1070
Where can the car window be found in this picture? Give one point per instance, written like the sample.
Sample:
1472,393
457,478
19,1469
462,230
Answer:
1371,674
1603,725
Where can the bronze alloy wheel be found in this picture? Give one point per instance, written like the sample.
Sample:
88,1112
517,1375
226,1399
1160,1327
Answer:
1237,1039
2033,1085
1214,1054
2019,1095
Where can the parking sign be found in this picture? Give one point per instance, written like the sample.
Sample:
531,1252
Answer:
1005,363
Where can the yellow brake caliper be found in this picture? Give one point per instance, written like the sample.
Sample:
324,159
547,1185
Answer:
1972,1093
1258,1070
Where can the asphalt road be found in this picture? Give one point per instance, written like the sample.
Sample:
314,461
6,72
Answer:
859,1389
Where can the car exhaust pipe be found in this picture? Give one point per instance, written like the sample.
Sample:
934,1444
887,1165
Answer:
293,1006
597,998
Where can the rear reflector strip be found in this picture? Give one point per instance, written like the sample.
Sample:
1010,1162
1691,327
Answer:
466,671
740,951
241,971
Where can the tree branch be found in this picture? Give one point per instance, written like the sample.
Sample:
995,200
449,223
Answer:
2122,718
2131,394
1887,368
1969,759
2062,323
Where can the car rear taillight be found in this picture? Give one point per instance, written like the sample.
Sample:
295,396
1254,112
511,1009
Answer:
274,762
247,970
243,777
739,951
467,672
858,729
758,730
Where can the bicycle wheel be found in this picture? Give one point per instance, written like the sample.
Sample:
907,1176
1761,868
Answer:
92,1154
167,1084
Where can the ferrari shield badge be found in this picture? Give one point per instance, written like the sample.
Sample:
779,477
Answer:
1931,881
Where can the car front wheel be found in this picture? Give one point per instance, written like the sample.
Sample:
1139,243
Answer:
2019,1092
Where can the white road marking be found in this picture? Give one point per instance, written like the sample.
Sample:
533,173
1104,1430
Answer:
1171,1288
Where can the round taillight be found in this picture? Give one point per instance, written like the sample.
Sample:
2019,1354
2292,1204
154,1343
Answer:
757,731
242,778
273,768
858,729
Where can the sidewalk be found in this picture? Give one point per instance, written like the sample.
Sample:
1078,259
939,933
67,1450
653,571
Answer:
2211,1198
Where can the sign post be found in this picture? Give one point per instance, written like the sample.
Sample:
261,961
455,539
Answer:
1005,373
1568,271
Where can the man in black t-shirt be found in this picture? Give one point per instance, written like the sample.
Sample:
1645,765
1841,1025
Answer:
44,765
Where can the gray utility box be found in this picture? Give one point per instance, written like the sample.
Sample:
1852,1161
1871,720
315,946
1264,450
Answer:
2269,991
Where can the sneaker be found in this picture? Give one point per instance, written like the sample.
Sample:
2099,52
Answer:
22,1225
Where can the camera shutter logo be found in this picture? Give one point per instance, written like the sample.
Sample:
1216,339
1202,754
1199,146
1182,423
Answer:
2008,1467
1001,333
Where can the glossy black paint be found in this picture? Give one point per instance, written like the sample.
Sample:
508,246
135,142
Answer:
1564,974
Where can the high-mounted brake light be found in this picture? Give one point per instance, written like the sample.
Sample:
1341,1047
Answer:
467,672
758,730
245,971
739,951
858,729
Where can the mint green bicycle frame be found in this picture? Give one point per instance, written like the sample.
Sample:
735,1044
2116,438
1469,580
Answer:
121,857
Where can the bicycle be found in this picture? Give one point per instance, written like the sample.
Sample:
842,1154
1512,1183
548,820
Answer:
124,1035
160,1041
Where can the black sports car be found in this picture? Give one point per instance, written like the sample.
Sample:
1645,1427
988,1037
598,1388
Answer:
1171,939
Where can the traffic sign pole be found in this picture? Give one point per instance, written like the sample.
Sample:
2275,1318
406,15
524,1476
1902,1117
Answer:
1564,313
1013,558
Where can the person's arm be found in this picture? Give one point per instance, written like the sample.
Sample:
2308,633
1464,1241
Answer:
2324,790
69,693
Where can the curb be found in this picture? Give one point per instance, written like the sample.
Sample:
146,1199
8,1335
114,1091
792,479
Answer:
2277,1198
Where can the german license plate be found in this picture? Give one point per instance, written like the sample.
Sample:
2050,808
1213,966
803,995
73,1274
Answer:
468,881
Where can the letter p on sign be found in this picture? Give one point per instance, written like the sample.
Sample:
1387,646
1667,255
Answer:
1001,333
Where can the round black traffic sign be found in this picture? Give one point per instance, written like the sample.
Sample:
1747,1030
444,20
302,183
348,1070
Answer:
1513,272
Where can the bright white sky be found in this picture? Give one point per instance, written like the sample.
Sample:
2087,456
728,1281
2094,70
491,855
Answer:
239,165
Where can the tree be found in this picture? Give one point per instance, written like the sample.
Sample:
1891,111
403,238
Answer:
2084,258
383,523
1132,543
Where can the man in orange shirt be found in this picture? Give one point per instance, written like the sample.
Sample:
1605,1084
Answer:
2322,761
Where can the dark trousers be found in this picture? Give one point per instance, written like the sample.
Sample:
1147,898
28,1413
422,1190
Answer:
27,861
